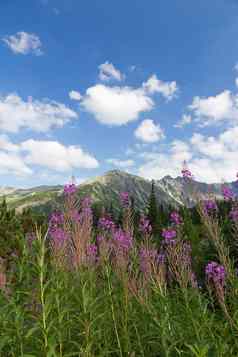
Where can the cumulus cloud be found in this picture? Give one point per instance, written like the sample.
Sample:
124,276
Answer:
116,105
13,164
149,132
24,43
216,109
11,161
210,158
24,158
166,89
185,120
107,72
74,95
39,116
56,156
121,163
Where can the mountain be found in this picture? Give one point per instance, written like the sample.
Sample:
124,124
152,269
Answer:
106,189
188,193
31,197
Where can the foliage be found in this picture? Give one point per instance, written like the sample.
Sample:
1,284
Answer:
89,286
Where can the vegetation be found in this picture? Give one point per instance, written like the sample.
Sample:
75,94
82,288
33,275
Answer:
87,283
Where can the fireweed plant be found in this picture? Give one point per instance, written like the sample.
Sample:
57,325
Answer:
113,290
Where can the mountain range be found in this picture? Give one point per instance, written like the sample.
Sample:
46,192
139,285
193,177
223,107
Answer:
106,189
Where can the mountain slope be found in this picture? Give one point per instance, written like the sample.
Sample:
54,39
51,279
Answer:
106,190
189,193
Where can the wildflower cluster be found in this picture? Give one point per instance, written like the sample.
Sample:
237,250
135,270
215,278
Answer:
70,189
176,219
215,273
227,192
210,207
169,235
106,223
145,226
186,174
56,229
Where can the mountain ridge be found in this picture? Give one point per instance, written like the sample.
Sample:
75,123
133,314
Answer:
107,187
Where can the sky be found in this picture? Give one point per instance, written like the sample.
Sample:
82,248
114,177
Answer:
97,85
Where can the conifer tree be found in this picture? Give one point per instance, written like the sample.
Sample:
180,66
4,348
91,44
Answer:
10,231
153,210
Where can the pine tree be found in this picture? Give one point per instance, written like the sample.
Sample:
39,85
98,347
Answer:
153,210
10,231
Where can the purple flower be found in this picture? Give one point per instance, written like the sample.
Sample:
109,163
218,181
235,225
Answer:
92,252
176,219
105,223
70,189
161,258
227,193
209,206
124,198
169,235
234,214
215,273
122,239
75,215
56,218
86,202
86,210
147,257
100,239
145,226
185,253
186,173
59,237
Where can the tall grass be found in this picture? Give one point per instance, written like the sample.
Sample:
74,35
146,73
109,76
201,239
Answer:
77,291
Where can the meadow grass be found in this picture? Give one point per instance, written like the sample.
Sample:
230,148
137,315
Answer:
79,291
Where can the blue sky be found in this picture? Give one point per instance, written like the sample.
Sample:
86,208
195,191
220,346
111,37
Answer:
140,86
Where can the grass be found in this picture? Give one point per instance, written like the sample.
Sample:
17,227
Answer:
57,303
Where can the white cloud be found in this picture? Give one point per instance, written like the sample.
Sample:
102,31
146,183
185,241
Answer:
28,156
236,82
74,95
149,132
24,43
211,159
116,105
180,151
155,85
39,116
121,163
12,164
56,156
217,109
185,120
107,72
